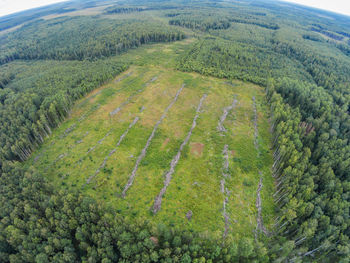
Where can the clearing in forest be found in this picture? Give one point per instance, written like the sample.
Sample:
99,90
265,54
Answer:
145,117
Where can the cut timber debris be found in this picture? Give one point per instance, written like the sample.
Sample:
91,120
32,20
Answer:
153,79
258,204
144,150
84,115
114,112
227,110
61,156
99,142
89,98
231,84
224,190
113,151
255,122
225,168
123,77
226,163
68,130
39,156
158,200
189,215
226,218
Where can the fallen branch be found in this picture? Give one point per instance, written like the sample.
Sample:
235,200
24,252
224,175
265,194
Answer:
114,112
123,77
224,190
68,130
255,122
227,110
114,150
158,200
258,204
144,150
99,142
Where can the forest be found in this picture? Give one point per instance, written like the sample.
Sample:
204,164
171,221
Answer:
299,56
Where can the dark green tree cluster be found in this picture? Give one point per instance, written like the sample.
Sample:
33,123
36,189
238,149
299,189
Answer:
307,86
343,48
204,19
173,14
123,10
327,33
313,37
312,162
79,38
345,34
32,104
329,72
201,22
228,59
41,224
308,90
267,25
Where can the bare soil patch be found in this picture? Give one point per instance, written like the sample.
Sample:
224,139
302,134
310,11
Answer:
197,148
165,143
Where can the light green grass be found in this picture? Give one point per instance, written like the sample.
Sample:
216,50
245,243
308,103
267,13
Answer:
195,184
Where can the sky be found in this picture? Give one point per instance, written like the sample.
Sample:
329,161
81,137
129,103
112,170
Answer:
12,6
338,6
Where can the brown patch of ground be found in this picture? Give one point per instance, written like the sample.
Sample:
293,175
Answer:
178,133
166,141
233,152
197,148
154,240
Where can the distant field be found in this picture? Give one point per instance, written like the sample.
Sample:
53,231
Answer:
121,116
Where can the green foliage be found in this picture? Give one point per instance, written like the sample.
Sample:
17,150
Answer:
40,224
300,55
79,38
227,59
39,102
202,21
122,10
327,33
270,25
307,85
313,37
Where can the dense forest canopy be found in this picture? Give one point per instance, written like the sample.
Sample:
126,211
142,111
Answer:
82,38
300,56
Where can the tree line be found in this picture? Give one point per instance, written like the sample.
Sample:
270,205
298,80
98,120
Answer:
81,38
42,224
307,87
308,91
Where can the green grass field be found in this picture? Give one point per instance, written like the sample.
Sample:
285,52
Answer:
75,150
